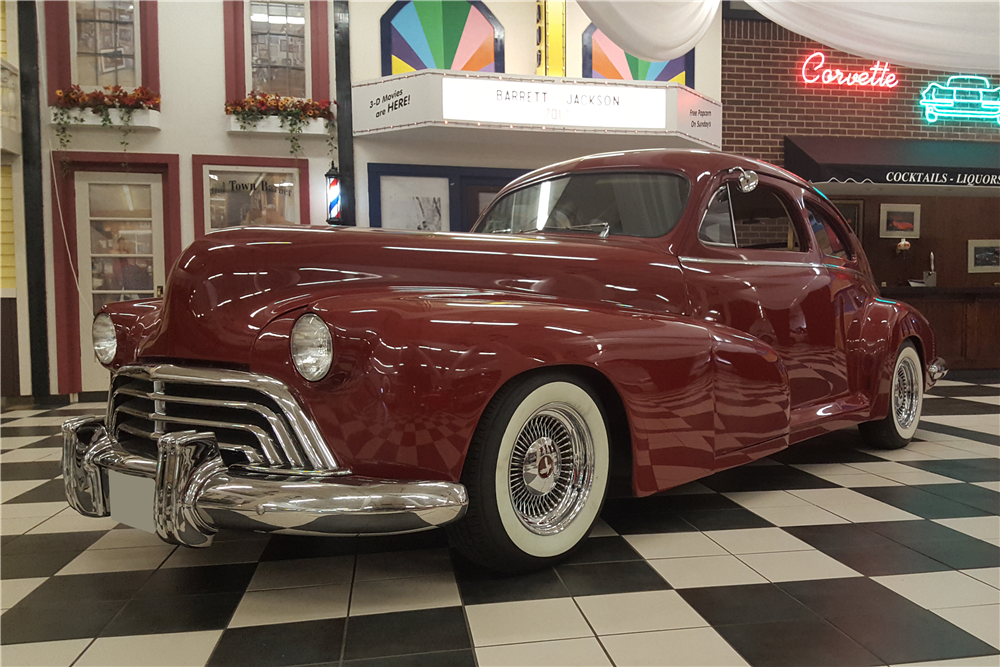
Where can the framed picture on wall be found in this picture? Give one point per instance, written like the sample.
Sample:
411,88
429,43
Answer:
984,256
899,221
418,203
853,211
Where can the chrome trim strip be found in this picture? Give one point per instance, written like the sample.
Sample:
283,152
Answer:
196,495
252,455
751,262
262,436
316,454
161,400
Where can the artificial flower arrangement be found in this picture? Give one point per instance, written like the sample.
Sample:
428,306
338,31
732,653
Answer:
70,105
293,113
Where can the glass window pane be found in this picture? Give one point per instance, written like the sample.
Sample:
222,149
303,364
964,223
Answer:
297,83
126,38
120,201
85,10
125,274
121,237
277,39
279,81
123,11
86,70
126,75
252,198
829,241
86,37
644,205
296,51
762,222
717,225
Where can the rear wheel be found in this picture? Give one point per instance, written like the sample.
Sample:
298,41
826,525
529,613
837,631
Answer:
536,473
906,395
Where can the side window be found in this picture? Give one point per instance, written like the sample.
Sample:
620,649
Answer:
827,237
761,221
106,44
717,225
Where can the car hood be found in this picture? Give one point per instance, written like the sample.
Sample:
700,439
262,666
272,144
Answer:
229,285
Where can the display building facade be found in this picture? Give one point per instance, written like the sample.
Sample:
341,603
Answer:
860,130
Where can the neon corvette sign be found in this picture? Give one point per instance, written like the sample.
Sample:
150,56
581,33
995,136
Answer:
963,96
877,76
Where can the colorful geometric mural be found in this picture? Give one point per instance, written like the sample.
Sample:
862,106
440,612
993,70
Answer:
603,59
441,34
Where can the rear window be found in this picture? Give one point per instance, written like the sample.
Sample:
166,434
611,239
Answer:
645,205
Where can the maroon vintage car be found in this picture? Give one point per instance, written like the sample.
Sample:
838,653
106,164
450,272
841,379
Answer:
626,322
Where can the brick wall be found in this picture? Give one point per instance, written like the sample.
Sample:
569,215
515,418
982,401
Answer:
764,98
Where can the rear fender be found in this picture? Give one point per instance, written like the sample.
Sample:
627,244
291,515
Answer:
886,325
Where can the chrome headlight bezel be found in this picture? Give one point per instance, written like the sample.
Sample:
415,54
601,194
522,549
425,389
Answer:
311,347
105,338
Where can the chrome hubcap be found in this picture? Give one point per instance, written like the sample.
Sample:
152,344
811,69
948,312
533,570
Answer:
905,393
551,468
540,469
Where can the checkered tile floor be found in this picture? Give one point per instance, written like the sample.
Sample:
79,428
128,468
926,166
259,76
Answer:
825,554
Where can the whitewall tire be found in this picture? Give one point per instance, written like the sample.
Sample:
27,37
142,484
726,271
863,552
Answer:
536,472
906,396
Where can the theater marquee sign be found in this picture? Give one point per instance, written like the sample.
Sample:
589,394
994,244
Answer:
536,103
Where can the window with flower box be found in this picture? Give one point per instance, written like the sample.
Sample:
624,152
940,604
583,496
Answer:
279,53
96,43
279,47
104,37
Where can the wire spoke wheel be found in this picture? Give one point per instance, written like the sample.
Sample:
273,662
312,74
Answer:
551,468
905,392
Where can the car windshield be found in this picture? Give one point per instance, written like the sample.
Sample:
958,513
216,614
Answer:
624,204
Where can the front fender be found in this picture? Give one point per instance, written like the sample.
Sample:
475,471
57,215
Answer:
412,374
885,326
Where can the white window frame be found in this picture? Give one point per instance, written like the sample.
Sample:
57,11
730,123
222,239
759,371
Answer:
248,55
137,32
293,172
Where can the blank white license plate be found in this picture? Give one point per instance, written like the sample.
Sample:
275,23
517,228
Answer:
132,500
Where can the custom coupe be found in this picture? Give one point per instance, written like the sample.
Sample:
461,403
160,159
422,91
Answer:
619,323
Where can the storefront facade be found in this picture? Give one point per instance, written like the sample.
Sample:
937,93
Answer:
117,202
869,144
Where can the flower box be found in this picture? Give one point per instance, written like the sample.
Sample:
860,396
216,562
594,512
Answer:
142,119
272,125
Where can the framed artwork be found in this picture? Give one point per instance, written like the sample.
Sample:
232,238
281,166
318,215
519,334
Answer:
111,60
853,211
984,256
899,221
418,203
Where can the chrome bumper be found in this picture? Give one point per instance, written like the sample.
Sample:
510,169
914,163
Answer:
196,495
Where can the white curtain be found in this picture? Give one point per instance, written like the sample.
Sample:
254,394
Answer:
946,35
653,30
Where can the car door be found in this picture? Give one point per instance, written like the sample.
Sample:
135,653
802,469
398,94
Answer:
753,266
851,285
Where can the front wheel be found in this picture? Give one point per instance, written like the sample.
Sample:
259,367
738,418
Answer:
536,473
906,396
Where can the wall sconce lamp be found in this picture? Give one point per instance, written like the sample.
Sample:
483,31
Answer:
902,246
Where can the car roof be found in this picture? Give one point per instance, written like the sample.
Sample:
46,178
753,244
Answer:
978,81
691,162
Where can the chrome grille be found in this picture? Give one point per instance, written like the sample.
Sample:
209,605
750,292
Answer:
254,418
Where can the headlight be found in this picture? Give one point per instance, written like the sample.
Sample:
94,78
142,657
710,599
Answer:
105,341
312,347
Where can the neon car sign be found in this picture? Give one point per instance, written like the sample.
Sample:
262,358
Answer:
876,76
963,96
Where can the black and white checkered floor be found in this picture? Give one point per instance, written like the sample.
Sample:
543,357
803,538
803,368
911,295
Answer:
825,554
